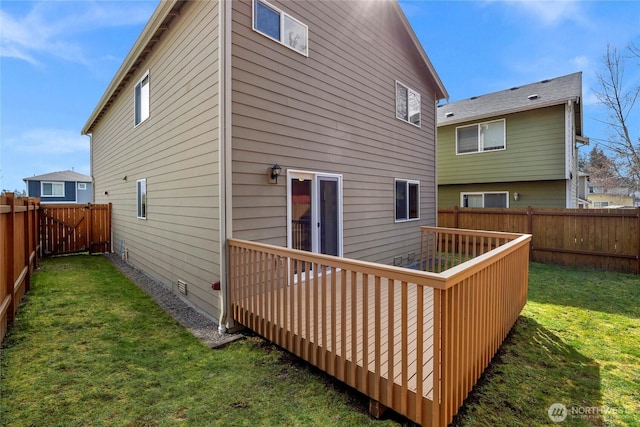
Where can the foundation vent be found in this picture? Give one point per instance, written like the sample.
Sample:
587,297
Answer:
182,287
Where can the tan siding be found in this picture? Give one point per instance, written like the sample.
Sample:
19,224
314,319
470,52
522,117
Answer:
331,112
535,151
176,150
539,194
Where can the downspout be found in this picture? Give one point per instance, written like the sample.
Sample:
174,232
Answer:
224,156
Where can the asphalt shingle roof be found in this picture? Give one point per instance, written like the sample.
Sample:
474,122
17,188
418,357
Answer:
534,95
60,176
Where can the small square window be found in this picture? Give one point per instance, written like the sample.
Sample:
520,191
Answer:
82,186
141,100
280,26
407,104
407,198
141,196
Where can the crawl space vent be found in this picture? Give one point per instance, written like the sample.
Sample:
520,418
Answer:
182,287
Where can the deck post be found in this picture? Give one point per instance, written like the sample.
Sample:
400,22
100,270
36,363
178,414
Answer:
376,409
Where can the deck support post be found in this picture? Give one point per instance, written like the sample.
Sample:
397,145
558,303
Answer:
376,409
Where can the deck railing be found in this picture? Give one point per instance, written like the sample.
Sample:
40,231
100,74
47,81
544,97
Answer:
383,329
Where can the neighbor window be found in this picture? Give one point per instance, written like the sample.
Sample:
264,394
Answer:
484,200
141,195
52,189
600,204
480,137
407,104
141,99
407,196
279,26
82,186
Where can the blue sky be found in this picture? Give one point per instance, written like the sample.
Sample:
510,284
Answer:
57,58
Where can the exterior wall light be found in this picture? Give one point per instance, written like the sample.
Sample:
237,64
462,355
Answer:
275,172
516,196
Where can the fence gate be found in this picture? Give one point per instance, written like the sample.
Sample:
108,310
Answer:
70,228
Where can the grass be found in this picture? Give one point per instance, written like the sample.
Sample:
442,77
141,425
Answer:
89,348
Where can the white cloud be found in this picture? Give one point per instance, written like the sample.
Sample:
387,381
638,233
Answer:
52,28
50,141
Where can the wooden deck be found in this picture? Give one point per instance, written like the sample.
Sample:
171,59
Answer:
381,329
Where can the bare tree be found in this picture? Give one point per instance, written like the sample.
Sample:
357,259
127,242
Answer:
620,102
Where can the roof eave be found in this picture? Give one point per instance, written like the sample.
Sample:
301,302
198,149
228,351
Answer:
158,17
507,111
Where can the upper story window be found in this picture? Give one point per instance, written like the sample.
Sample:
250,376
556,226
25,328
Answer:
82,186
141,196
52,189
407,104
281,27
485,200
141,100
407,196
488,136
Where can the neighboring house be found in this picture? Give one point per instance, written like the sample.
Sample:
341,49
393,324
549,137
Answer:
605,196
513,148
60,187
216,99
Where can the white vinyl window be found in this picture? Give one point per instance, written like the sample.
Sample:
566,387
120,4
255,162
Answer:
82,186
141,100
141,196
407,198
280,26
52,189
407,104
488,136
498,199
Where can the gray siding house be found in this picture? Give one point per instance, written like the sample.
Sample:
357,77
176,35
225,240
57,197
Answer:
60,187
513,148
305,124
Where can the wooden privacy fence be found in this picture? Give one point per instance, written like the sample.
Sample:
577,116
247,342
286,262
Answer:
71,228
605,239
411,340
18,253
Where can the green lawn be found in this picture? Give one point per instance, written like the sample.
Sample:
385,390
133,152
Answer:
89,348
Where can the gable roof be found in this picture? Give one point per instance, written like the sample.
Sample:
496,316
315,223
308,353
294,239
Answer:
60,176
545,93
160,22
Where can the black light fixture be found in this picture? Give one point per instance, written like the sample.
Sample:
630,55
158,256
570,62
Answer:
275,172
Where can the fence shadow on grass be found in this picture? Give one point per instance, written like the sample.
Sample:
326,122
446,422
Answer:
532,370
607,292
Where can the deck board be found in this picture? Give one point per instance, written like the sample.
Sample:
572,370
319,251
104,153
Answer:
313,297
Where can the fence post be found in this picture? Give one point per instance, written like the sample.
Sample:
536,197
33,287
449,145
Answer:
455,216
530,230
26,231
638,254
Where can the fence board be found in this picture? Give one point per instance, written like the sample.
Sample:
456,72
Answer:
18,253
605,239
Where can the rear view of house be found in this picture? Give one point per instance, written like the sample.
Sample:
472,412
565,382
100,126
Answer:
308,125
513,148
60,187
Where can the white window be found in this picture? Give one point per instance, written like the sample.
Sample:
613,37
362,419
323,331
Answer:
82,186
52,189
481,137
407,198
499,199
141,195
600,204
141,100
407,104
281,27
